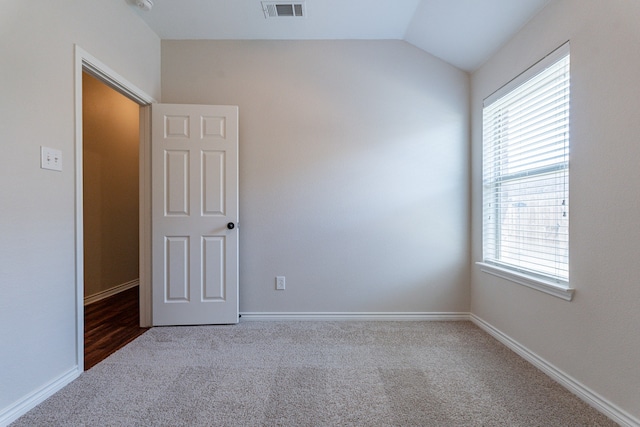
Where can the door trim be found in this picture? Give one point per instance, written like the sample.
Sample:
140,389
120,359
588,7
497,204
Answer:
88,63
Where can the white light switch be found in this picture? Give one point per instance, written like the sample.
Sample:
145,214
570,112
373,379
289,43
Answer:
50,158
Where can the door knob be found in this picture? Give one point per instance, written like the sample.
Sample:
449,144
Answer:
231,226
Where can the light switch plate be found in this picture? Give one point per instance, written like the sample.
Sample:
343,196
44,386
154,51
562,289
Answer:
50,158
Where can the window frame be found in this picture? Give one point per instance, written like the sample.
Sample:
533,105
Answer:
533,279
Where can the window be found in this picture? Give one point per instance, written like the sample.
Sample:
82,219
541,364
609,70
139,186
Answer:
526,174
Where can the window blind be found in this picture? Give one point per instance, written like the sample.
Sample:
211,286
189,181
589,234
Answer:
526,171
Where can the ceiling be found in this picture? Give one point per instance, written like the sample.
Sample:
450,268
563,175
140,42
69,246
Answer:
464,33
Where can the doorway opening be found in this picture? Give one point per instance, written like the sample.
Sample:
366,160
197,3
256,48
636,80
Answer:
110,155
119,279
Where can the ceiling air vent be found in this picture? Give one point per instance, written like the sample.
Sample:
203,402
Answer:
283,9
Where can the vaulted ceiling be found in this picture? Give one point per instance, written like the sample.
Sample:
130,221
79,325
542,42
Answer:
464,33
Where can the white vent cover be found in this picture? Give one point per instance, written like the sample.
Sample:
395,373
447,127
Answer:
283,9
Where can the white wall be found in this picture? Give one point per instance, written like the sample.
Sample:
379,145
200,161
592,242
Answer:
37,254
595,338
353,170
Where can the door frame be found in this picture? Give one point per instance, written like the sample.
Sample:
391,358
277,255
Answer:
91,65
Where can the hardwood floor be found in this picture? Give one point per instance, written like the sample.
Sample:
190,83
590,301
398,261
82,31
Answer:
109,325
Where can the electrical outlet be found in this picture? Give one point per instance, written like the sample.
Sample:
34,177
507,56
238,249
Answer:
280,283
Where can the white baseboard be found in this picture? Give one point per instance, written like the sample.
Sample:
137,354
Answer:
110,292
30,401
586,394
445,316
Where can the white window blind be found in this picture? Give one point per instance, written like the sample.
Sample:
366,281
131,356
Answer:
526,172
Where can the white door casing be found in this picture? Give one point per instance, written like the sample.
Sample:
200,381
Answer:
194,168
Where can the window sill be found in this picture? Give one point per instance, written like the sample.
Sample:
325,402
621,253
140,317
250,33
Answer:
541,285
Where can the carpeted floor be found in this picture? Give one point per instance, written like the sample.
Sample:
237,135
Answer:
315,374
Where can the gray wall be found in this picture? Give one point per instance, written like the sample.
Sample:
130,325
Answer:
595,338
37,208
353,170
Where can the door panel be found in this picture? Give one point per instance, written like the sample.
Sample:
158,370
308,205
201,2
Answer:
213,185
213,259
177,269
176,176
194,197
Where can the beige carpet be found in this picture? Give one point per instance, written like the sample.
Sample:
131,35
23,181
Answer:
315,374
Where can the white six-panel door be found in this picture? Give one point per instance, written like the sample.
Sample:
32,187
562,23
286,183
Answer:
194,168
